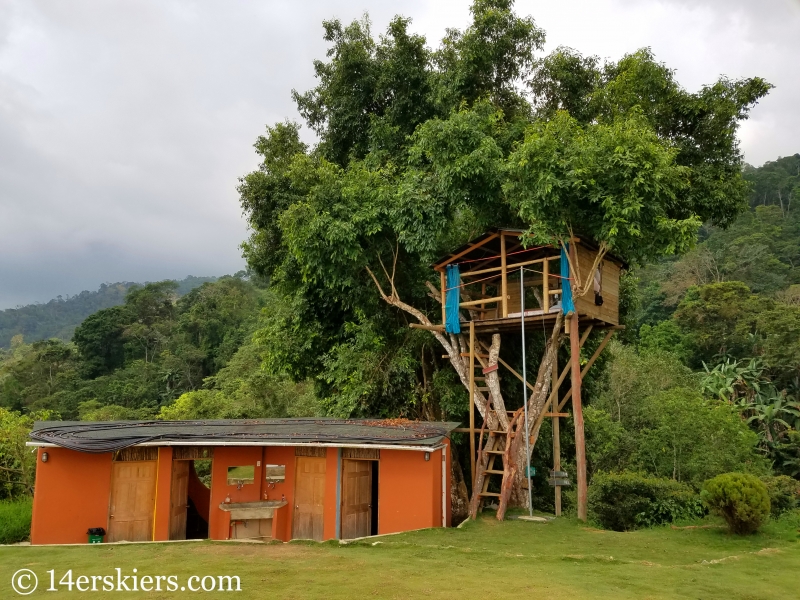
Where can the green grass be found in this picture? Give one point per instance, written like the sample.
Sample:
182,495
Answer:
15,520
514,559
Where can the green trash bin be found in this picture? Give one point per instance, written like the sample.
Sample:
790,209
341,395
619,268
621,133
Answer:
96,535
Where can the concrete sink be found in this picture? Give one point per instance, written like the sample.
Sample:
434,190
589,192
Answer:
260,509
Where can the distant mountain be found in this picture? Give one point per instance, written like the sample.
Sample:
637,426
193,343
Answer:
59,317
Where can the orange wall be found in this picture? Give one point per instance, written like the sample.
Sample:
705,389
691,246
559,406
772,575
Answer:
71,495
409,491
73,489
282,520
224,457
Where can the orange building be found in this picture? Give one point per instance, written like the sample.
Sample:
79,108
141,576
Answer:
262,479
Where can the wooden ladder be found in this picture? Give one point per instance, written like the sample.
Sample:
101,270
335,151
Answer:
500,443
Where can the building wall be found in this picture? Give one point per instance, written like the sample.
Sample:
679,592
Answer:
219,521
71,495
410,490
73,490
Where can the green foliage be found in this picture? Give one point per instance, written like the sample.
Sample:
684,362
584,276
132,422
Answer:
741,499
784,494
15,520
423,148
618,182
59,317
776,183
626,501
17,462
665,336
651,417
129,361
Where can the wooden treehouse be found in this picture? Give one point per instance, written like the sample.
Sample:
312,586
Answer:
495,285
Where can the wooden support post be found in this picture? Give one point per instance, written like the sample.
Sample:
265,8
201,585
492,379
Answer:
577,406
504,275
556,438
443,279
472,400
546,286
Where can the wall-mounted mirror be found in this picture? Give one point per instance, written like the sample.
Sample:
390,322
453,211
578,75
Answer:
275,473
241,475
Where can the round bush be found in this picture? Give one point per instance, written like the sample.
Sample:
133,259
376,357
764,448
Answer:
741,499
625,501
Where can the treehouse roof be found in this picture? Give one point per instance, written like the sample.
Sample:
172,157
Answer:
485,249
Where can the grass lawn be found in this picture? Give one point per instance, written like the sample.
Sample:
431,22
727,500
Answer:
514,559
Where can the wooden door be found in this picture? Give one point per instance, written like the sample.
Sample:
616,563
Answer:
178,499
309,498
356,506
133,496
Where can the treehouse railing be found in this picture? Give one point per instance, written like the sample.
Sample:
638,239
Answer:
495,289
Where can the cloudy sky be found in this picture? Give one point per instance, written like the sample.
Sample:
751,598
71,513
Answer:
125,124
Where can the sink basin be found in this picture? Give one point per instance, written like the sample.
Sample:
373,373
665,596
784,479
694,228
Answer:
260,509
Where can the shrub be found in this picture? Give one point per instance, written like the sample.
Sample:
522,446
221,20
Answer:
15,520
741,499
784,493
625,501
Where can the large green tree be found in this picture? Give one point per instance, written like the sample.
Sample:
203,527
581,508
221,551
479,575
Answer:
421,149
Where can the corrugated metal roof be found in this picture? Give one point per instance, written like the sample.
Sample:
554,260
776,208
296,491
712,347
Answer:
110,436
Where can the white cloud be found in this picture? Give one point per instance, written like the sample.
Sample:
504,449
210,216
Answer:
124,125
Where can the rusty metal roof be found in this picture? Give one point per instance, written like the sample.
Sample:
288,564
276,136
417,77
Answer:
109,436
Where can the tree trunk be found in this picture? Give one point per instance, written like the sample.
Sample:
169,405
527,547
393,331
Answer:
537,404
459,497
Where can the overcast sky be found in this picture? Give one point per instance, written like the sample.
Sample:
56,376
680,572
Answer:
124,125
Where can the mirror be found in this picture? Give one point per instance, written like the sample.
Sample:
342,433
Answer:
275,473
241,475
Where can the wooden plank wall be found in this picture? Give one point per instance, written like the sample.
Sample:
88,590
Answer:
609,311
135,453
310,451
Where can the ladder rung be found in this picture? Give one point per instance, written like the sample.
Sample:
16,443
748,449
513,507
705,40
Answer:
482,389
494,472
495,451
479,378
492,494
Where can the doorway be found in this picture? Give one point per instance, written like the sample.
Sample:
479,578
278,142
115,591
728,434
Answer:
190,493
132,504
309,497
359,498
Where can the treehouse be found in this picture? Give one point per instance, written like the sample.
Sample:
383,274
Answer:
483,282
496,285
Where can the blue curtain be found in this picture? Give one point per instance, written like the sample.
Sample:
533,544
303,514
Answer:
453,300
567,305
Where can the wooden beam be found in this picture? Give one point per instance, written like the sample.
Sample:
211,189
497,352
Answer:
472,399
443,281
426,327
493,269
504,274
546,286
482,301
577,405
468,250
556,437
556,415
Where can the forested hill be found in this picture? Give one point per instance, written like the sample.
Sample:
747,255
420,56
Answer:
59,317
